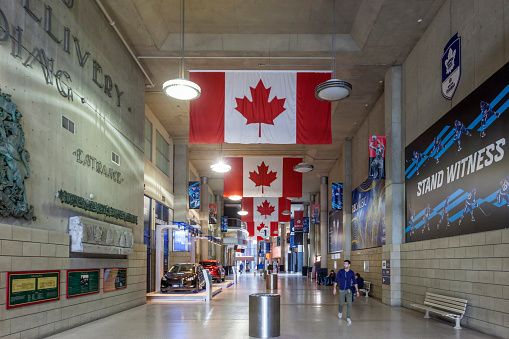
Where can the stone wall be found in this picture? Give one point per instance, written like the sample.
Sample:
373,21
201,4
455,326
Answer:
104,122
374,256
474,267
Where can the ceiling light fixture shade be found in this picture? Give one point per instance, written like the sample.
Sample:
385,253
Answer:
242,212
333,89
181,88
303,167
220,166
286,212
235,197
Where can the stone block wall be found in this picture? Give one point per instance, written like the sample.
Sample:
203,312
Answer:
25,249
473,267
374,256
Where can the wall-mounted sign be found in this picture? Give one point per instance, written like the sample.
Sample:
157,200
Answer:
336,256
82,282
114,279
451,67
181,241
97,166
377,157
224,224
335,231
194,195
315,214
28,288
88,205
337,196
212,214
457,177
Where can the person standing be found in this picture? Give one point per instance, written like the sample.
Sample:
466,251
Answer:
345,278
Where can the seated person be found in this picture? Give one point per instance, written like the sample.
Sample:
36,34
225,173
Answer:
360,280
330,278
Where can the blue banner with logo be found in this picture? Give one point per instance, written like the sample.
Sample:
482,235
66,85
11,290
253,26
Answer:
337,196
305,225
451,67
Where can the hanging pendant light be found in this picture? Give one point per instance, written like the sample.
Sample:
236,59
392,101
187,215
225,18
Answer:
242,211
333,89
303,167
220,166
286,211
181,88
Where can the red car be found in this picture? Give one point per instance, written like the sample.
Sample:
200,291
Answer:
215,268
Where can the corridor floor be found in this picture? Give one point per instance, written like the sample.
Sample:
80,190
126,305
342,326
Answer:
307,311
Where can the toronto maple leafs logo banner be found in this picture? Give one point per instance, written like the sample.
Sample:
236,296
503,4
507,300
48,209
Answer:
262,177
457,172
451,67
376,157
253,107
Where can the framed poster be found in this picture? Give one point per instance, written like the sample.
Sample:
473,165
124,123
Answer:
315,214
337,196
213,214
224,224
305,225
335,231
82,282
181,241
114,279
194,195
29,288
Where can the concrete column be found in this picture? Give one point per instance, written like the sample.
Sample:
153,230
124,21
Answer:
282,234
312,237
180,181
323,220
204,216
217,232
394,185
347,199
305,237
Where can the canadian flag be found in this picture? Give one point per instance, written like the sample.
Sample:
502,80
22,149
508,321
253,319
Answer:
262,230
265,209
262,177
259,107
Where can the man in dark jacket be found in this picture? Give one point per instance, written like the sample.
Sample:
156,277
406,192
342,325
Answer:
345,278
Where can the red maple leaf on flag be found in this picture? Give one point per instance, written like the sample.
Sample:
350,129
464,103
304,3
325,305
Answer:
266,209
263,177
260,110
260,227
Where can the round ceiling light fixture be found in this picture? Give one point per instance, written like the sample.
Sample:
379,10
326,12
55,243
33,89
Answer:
333,89
235,197
182,89
242,212
303,167
286,212
220,166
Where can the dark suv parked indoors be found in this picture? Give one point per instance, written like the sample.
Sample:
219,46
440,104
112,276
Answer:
183,277
216,269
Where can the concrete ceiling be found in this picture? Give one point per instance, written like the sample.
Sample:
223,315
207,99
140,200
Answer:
371,36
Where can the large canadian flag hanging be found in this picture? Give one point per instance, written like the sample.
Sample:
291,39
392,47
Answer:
262,177
262,230
266,209
259,107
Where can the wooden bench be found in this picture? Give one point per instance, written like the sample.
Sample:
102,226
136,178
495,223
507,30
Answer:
445,306
366,289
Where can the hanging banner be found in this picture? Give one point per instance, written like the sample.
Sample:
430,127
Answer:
315,214
368,215
451,67
265,209
377,157
337,196
298,220
194,195
457,175
305,223
224,226
335,231
212,214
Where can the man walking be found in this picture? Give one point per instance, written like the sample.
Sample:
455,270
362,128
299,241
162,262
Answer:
346,279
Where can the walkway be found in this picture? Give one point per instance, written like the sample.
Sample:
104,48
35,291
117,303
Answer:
307,311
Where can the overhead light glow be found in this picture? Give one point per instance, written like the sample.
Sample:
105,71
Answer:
181,89
235,197
242,212
220,167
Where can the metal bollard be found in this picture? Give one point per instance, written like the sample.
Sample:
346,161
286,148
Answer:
271,283
264,320
264,274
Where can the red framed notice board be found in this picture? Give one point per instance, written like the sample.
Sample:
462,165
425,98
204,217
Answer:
82,282
32,287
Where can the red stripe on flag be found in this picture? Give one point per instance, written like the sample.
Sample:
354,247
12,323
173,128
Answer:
284,204
313,115
274,228
292,181
247,205
206,114
250,228
233,179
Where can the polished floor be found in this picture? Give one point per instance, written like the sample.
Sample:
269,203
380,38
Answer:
307,311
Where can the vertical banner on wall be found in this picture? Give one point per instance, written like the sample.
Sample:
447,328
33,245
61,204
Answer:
337,196
305,225
451,67
194,195
377,157
224,225
315,214
335,231
457,175
292,235
368,215
212,214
